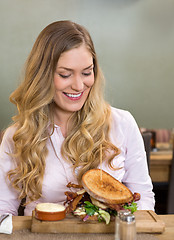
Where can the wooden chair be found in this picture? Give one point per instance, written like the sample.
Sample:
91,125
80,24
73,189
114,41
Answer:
170,200
164,193
160,189
147,144
21,207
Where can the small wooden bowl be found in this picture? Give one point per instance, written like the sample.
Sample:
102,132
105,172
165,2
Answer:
50,215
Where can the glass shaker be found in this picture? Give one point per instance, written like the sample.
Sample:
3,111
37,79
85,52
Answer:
127,227
120,213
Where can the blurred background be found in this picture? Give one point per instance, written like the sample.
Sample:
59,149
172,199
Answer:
133,39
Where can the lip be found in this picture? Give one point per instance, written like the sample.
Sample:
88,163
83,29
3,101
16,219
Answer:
73,98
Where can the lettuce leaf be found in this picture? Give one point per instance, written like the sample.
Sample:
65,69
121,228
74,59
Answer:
132,207
90,209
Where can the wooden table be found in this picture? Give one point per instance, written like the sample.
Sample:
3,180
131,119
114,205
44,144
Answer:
160,164
23,226
169,229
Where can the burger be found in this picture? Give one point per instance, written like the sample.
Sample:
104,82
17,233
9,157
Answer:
99,197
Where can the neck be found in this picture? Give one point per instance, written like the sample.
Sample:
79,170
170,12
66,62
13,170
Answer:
61,119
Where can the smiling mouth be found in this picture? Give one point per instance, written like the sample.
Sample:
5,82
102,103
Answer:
73,96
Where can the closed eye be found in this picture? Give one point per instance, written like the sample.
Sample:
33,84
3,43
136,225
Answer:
64,76
87,74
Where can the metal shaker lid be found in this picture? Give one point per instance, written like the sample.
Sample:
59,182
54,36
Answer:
123,212
127,218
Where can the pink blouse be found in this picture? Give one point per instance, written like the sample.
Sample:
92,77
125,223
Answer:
134,174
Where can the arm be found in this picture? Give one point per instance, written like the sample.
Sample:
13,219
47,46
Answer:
9,202
136,176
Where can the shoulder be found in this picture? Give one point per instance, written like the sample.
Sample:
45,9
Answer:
6,148
123,125
9,132
7,138
123,117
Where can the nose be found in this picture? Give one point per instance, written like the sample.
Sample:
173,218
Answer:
77,84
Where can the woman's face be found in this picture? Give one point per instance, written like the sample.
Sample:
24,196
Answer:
73,79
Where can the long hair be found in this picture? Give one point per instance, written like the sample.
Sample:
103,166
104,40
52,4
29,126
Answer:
89,128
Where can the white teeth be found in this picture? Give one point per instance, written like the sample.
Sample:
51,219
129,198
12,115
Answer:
73,95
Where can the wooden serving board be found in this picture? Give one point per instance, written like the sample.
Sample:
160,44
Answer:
146,222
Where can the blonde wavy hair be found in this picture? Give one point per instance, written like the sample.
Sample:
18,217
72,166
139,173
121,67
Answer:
89,128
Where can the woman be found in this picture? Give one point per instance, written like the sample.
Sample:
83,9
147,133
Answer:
61,123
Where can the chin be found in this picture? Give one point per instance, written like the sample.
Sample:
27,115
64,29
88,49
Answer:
75,108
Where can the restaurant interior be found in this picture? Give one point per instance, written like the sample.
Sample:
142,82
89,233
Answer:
134,43
159,146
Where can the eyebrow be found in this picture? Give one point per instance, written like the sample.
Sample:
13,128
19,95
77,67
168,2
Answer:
69,69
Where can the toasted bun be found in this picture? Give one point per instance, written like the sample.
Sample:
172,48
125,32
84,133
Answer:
105,188
49,211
